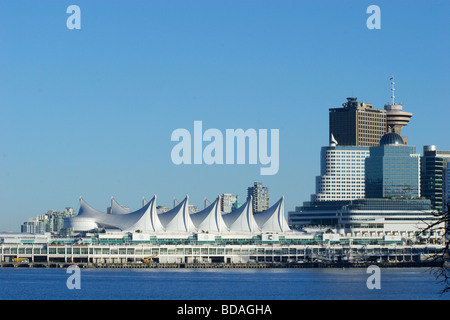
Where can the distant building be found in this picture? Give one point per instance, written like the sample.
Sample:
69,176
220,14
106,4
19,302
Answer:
162,209
193,208
342,173
52,221
260,194
226,202
357,124
392,169
236,205
433,164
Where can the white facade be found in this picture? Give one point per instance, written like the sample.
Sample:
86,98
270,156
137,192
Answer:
342,173
366,223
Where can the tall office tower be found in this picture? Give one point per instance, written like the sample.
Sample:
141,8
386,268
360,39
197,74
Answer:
357,124
226,202
433,163
260,196
342,173
393,169
396,118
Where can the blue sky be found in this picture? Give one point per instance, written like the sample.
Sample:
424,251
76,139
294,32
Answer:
90,112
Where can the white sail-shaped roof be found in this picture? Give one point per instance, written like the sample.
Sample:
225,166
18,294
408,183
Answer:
273,219
178,219
116,208
156,225
241,220
89,218
209,219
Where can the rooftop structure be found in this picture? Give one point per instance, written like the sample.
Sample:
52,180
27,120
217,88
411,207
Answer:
357,124
179,220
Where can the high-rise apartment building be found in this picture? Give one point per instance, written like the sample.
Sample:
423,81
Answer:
393,169
52,221
260,196
357,124
433,164
342,173
226,202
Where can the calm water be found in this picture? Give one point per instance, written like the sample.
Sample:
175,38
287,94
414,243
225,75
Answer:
214,284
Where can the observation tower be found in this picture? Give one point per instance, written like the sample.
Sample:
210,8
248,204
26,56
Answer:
396,118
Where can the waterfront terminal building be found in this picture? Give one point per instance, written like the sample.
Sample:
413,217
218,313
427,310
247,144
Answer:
145,238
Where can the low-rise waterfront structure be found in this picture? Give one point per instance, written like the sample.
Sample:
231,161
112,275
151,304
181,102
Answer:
294,248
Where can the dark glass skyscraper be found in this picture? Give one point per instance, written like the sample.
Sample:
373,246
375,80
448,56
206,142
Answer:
433,163
392,170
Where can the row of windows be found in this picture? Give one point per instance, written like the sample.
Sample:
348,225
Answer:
347,152
346,156
348,197
361,177
332,172
161,251
361,191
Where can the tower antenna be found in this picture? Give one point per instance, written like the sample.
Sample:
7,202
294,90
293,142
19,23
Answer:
392,90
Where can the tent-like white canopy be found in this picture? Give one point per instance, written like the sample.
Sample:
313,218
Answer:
241,220
89,218
273,219
209,219
178,219
116,208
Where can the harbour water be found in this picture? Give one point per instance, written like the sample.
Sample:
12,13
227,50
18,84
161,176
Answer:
220,284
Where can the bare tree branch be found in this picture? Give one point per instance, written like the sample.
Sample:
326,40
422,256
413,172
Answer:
441,256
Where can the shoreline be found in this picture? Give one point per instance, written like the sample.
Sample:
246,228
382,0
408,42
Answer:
305,265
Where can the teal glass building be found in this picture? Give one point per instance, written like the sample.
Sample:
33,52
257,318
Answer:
392,170
432,166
